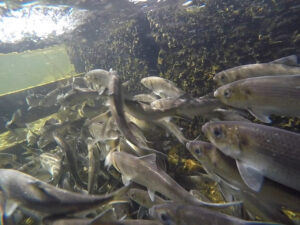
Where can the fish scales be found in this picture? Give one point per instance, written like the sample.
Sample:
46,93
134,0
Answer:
280,86
273,152
263,96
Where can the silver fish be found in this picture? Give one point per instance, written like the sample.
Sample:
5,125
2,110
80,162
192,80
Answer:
263,96
116,108
146,98
173,129
98,79
70,157
52,163
259,151
134,169
77,96
145,111
162,87
223,168
283,66
21,190
21,117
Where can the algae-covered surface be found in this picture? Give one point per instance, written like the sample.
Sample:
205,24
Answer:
31,68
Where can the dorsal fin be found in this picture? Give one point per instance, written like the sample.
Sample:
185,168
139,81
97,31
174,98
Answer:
151,159
291,60
42,192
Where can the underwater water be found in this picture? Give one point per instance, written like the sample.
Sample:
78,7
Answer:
149,112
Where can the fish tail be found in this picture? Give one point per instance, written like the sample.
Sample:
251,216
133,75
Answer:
120,195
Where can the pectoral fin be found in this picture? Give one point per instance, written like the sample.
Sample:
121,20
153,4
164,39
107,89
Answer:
142,212
151,195
125,180
250,176
151,159
260,115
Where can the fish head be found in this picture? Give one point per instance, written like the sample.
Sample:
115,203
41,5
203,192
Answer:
224,136
121,161
231,94
165,213
201,150
146,82
221,78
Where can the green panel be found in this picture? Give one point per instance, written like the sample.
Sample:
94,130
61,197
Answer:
31,68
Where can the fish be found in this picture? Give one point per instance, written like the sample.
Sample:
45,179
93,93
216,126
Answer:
223,169
188,107
144,171
77,96
117,111
86,221
93,155
101,118
162,87
48,100
180,214
72,160
263,96
104,132
144,111
7,159
52,163
164,104
173,129
142,198
21,117
61,128
283,66
145,98
98,79
259,151
21,190
33,100
31,138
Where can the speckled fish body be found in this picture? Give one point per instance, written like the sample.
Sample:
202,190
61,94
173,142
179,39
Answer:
284,66
217,163
259,151
263,96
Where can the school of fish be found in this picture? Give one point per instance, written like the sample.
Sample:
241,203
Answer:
101,154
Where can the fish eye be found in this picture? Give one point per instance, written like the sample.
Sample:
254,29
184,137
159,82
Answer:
227,93
222,77
217,132
197,151
164,217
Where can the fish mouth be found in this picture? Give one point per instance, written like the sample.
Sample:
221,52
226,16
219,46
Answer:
216,93
204,128
188,145
152,212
